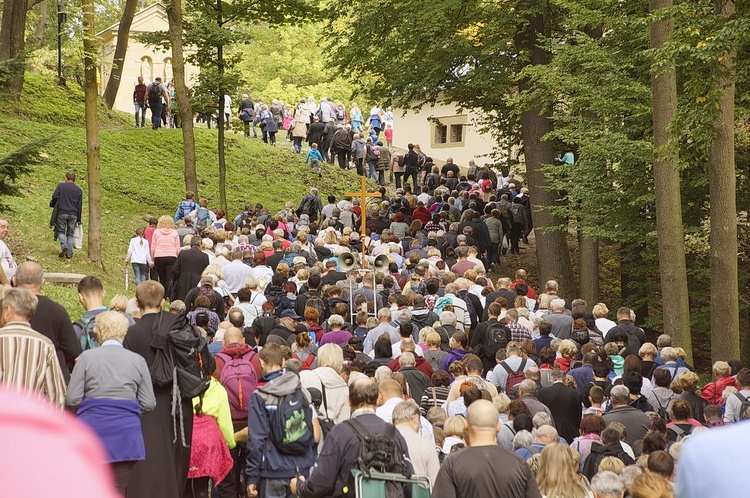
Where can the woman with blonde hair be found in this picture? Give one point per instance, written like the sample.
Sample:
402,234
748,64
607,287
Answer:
558,473
329,379
454,433
165,246
567,351
651,485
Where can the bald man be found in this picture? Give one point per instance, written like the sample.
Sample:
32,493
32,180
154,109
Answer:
391,394
484,468
235,351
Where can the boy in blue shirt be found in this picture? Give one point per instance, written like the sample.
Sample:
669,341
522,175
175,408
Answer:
314,157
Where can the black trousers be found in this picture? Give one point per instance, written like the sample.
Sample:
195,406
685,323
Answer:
121,472
163,266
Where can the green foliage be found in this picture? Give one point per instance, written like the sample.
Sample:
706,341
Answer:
18,163
45,101
286,63
141,176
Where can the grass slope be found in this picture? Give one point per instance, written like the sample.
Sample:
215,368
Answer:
142,175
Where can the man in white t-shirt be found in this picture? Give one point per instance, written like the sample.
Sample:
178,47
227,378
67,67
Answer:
6,258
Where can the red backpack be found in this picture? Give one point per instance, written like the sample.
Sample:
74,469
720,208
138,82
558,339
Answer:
240,380
307,364
514,377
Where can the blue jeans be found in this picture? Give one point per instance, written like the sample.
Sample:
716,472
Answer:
371,173
140,270
140,108
155,113
298,144
66,223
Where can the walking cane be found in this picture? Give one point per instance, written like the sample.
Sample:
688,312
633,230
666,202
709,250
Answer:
127,278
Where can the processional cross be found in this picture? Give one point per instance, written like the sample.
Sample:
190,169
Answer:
363,194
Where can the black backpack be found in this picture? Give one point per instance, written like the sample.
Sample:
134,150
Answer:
154,91
179,363
316,302
379,453
498,337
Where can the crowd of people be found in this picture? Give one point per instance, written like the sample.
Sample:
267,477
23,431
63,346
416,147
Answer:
308,366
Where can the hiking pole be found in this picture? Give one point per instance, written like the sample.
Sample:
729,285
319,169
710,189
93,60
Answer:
127,278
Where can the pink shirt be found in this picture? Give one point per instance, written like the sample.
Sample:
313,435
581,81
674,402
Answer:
165,243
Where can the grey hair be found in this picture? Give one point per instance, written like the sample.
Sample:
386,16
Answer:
668,353
447,318
540,419
629,473
620,395
30,273
405,412
528,386
384,313
557,304
22,301
406,359
607,485
383,373
522,439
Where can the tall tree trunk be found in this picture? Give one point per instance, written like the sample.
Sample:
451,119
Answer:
588,269
553,255
121,49
92,132
725,326
174,15
220,121
670,237
12,33
41,26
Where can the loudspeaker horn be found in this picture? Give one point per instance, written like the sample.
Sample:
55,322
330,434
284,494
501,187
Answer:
380,263
347,261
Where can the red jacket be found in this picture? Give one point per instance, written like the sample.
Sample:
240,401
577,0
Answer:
422,214
712,391
421,364
531,294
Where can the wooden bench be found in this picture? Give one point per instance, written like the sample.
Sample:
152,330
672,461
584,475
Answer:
64,279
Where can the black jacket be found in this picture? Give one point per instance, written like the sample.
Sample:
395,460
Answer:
335,464
598,453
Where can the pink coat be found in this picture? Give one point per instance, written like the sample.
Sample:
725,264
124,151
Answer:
165,243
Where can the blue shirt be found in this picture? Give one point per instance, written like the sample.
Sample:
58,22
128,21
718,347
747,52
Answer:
712,463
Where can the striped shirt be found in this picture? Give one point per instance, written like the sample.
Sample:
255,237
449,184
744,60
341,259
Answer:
28,361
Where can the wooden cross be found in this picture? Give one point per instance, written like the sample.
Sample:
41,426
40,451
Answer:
363,194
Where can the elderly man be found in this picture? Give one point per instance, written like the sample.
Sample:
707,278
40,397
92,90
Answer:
6,257
607,485
406,418
416,381
564,403
384,317
27,359
284,332
545,434
562,323
51,319
484,468
527,393
391,394
635,421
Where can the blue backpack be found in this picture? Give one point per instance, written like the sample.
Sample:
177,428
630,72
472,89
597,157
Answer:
184,209
202,218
